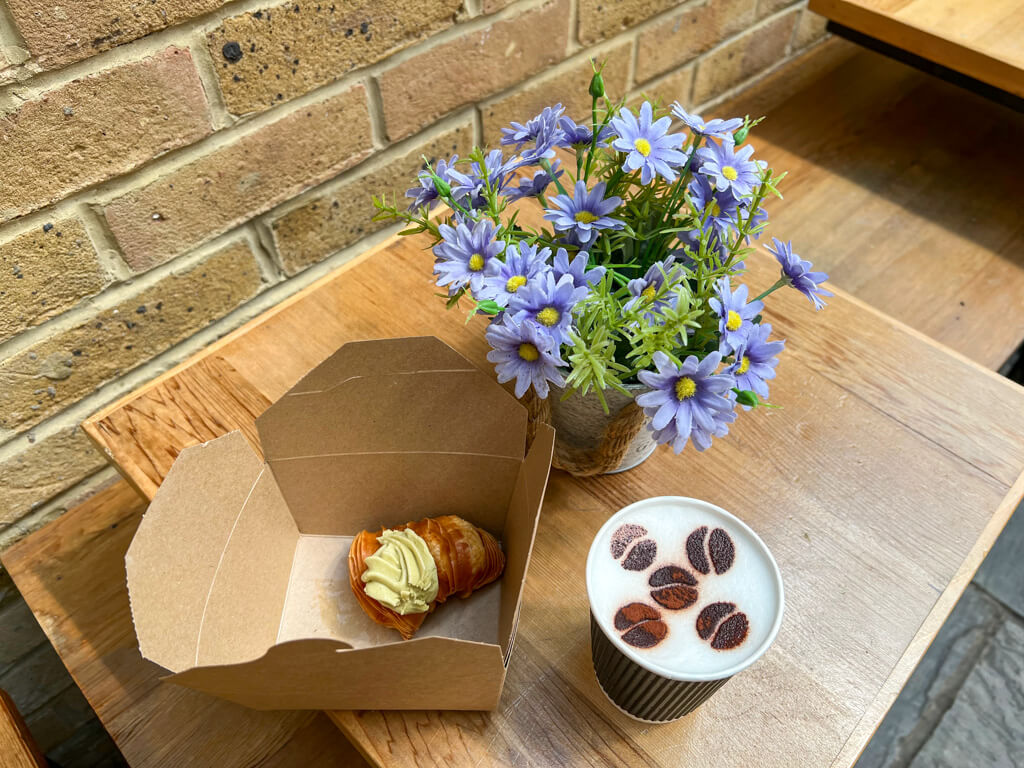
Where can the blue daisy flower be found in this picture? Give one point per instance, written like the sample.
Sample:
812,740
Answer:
579,136
577,268
548,303
728,169
585,213
689,402
797,272
755,362
426,192
649,147
465,256
715,128
523,262
645,289
735,315
542,131
526,353
723,206
535,185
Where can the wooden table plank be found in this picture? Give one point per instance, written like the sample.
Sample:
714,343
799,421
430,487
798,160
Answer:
879,485
983,39
71,574
17,747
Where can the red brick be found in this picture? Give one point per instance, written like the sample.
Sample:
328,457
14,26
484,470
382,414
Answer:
698,28
60,33
55,372
742,58
46,271
293,48
567,86
98,127
472,67
236,182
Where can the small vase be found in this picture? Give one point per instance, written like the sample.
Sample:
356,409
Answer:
585,435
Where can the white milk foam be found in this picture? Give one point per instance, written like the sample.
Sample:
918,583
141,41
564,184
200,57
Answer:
752,583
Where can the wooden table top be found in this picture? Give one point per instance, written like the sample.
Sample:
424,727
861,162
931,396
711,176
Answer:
983,39
71,574
879,487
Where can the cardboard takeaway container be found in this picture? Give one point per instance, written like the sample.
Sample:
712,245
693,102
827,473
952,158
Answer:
238,572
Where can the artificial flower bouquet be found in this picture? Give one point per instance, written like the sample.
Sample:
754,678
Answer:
635,278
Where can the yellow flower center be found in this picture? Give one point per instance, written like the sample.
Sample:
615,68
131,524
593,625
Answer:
744,365
649,292
729,172
549,316
685,387
515,283
476,262
643,146
528,352
585,217
716,209
733,321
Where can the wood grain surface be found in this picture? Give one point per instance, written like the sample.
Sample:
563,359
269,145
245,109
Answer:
71,574
983,39
879,486
17,747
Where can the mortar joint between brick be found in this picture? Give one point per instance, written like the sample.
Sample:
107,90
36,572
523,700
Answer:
103,242
262,244
375,108
573,43
216,108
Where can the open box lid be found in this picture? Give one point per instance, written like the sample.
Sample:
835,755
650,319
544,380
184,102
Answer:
380,433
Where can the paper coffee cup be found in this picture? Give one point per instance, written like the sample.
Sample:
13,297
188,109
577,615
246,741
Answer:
683,595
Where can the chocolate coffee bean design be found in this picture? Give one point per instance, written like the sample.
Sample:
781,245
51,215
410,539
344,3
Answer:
641,625
724,625
641,554
675,588
699,546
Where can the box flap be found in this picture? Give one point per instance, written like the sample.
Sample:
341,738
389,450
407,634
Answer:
174,555
426,673
410,409
521,528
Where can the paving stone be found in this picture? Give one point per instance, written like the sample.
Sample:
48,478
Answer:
984,727
36,678
90,747
933,686
60,718
19,632
1002,573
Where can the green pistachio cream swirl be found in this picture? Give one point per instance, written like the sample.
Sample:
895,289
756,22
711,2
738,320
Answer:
401,574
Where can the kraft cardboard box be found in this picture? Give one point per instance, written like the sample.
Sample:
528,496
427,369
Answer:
238,573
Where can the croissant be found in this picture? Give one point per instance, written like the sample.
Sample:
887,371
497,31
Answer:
466,557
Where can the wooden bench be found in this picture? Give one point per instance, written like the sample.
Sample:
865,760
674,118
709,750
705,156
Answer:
17,747
981,39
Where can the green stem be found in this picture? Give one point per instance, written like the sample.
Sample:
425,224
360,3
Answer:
781,282
546,165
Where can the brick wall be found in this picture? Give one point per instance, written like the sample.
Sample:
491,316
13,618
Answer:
173,167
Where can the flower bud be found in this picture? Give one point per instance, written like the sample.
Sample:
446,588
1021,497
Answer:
746,397
741,135
597,86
